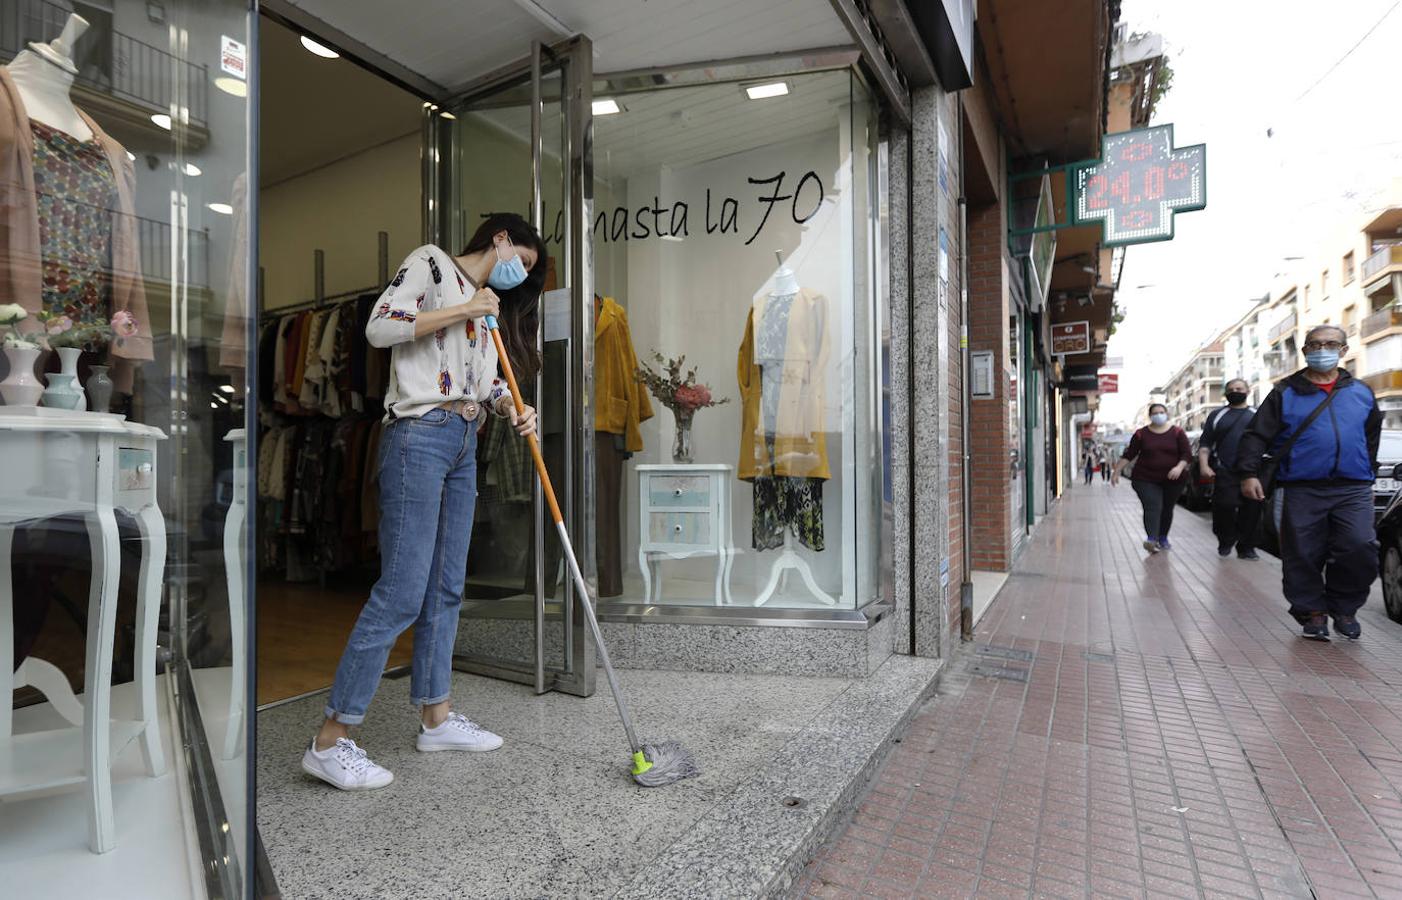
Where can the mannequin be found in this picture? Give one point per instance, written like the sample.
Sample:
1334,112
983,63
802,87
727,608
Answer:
788,486
45,140
44,75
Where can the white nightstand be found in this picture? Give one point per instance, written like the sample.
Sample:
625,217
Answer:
685,512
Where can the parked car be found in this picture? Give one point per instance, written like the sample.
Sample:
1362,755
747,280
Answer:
1390,549
1197,489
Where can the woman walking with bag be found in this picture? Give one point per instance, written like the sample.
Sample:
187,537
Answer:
1161,454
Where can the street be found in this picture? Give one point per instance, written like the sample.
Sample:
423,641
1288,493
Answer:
1126,725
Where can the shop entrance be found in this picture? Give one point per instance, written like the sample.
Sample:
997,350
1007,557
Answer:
519,143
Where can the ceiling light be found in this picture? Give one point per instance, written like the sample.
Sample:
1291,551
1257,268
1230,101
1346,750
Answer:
447,115
193,170
223,209
161,119
319,49
607,107
764,91
226,388
131,156
235,86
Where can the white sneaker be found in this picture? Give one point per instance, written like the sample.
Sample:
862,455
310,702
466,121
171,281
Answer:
457,732
345,766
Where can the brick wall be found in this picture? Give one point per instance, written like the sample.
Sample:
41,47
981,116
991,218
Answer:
989,432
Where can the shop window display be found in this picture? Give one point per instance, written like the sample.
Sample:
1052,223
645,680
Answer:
123,610
737,233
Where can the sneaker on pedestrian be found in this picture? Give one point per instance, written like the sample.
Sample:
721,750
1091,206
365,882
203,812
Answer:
1316,627
345,766
457,732
1151,545
1246,554
1348,626
1164,544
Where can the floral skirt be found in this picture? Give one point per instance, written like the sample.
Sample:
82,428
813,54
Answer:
794,503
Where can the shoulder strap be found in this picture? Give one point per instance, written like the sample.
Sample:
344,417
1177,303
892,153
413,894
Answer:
1318,410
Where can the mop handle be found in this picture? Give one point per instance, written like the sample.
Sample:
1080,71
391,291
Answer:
521,408
580,584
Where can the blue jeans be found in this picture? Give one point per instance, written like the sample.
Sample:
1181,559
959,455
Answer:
428,477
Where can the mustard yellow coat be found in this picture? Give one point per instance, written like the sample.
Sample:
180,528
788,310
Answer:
800,432
621,405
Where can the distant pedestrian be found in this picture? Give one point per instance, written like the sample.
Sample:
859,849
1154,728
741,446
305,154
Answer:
1322,426
1161,454
1090,467
1234,517
1104,464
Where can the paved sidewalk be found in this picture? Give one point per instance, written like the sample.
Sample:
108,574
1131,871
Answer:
1126,725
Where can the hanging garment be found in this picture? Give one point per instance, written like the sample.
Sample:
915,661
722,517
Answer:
21,255
608,523
795,389
794,503
621,404
314,374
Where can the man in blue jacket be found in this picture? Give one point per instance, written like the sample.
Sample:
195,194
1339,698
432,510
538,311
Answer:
1328,547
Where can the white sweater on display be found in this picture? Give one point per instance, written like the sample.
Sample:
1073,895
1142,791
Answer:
454,363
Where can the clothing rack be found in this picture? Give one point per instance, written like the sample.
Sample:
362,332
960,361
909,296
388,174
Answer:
320,298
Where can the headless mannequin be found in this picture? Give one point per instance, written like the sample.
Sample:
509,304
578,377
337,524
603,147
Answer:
44,74
785,286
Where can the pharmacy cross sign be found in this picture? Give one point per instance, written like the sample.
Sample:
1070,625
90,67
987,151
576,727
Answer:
1138,184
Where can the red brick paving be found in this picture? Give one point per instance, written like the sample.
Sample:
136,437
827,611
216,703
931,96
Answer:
1173,737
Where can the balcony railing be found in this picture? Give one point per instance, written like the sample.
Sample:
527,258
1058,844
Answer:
1285,327
109,62
157,247
1382,320
1387,256
1388,381
1279,366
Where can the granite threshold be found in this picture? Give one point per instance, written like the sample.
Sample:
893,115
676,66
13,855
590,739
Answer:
756,841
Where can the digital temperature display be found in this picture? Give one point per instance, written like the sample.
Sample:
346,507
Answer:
1138,184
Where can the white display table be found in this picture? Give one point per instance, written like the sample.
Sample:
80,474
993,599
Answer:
685,511
57,463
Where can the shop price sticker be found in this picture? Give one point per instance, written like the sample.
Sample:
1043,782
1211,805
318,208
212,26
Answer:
233,57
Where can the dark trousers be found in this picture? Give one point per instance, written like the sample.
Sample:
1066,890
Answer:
1328,547
1158,500
608,525
1234,518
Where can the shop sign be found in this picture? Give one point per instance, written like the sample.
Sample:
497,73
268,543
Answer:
1109,383
1137,186
233,57
1070,338
1043,251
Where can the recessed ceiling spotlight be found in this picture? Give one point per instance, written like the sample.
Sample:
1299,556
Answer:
606,107
161,119
765,91
321,50
236,87
223,209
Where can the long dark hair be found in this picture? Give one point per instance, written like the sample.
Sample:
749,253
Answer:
520,306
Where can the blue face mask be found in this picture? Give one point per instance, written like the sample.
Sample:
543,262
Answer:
1322,360
507,273
1159,419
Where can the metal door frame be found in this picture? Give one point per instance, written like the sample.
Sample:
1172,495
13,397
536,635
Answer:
574,59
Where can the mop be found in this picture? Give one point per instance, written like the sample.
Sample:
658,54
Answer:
654,764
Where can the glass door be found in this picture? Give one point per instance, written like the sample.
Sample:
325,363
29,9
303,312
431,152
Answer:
521,144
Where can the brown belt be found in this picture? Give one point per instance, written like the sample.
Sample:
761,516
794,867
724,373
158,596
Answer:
470,410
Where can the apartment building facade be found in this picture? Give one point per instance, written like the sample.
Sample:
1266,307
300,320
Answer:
1196,389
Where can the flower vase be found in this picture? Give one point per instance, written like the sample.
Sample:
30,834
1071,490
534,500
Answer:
681,446
64,391
99,390
20,387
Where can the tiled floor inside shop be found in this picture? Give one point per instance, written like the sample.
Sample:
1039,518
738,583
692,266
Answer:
554,813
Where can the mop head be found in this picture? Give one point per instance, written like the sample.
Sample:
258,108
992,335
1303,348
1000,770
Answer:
659,764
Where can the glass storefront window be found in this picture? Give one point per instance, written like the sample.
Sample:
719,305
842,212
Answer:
123,306
735,235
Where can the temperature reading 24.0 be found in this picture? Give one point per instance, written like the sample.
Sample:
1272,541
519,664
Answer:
1138,184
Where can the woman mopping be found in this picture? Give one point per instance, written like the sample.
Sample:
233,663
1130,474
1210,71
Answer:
443,381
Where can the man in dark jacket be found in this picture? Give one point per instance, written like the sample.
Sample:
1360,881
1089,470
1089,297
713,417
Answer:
1234,517
1328,548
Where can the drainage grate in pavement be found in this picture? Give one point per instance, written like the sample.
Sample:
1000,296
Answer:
1002,672
1099,657
1004,652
